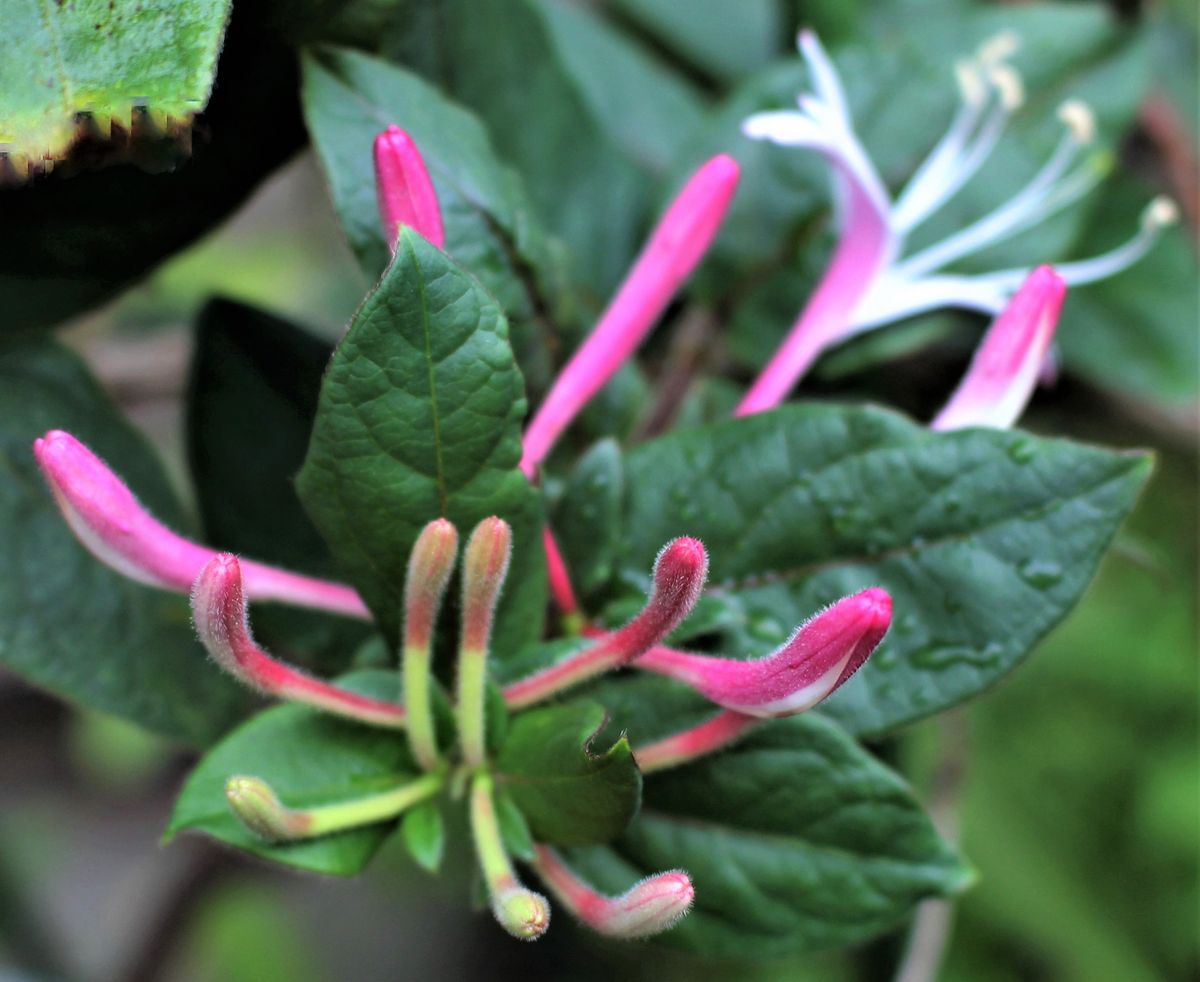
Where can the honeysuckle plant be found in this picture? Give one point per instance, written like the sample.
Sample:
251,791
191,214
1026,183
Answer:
636,679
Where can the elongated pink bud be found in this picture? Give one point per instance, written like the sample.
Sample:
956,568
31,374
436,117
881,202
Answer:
692,744
674,249
649,907
679,573
485,565
558,575
112,524
821,655
219,613
1005,369
405,190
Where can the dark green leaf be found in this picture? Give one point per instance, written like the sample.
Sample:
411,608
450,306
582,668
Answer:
514,830
424,833
648,110
90,56
796,840
490,229
709,35
68,623
587,521
252,397
1137,331
498,57
984,538
420,417
309,759
568,794
72,238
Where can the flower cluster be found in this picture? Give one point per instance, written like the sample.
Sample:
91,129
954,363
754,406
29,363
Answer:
867,283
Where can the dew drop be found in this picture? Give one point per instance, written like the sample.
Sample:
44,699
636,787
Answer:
1041,574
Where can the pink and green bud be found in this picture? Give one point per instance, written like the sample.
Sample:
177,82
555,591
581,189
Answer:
221,620
674,249
818,658
1006,368
404,189
521,912
485,565
679,574
692,744
650,907
260,810
112,524
429,567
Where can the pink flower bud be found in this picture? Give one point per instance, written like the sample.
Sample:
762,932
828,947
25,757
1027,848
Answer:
674,249
261,811
679,573
649,907
429,567
485,565
822,654
111,523
219,613
1005,369
405,190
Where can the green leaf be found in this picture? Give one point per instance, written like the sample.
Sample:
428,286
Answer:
309,759
250,366
587,520
648,110
109,61
1128,332
68,623
424,832
419,417
74,238
709,34
796,840
568,794
984,538
349,98
514,830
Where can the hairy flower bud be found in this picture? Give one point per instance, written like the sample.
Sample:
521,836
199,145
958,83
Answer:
679,574
649,907
221,619
819,657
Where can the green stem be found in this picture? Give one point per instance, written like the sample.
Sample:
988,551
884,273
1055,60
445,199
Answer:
373,808
472,687
422,736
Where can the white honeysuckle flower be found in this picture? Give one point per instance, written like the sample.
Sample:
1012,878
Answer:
870,280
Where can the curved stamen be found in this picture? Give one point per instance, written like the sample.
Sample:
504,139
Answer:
1045,194
1160,214
219,613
